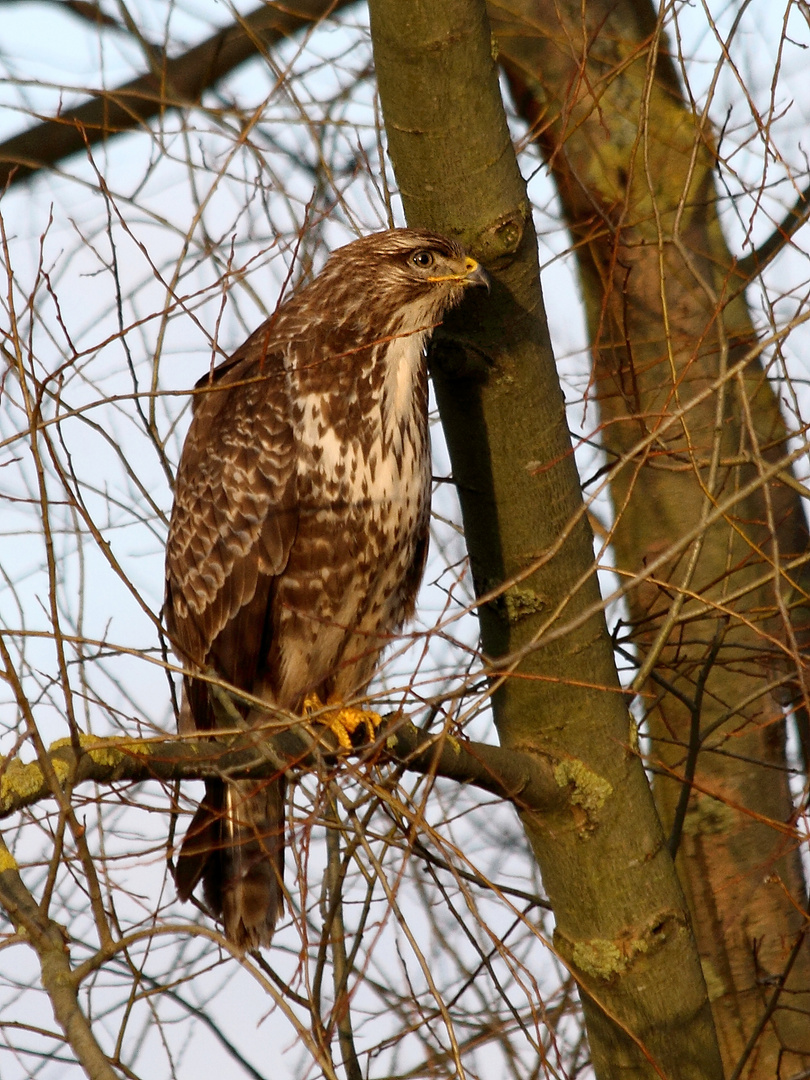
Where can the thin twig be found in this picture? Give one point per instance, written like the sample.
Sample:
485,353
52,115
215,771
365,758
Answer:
694,742
757,260
336,931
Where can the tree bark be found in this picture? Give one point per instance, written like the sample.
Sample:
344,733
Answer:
720,623
621,923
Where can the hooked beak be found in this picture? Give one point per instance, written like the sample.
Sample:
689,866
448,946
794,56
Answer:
474,274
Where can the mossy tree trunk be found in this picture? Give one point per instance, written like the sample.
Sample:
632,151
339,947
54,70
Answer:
713,537
621,923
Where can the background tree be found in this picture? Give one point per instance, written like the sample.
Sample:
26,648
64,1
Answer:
419,946
706,492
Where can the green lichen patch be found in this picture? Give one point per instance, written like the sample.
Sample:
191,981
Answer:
22,783
521,603
599,958
591,790
19,781
107,753
605,958
7,860
61,769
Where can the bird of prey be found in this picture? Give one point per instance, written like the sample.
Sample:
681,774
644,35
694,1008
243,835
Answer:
300,528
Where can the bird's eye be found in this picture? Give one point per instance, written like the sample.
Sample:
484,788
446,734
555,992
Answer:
422,259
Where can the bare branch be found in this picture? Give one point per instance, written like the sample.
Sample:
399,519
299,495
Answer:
179,84
48,940
790,224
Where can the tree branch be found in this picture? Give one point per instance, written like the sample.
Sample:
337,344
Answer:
532,781
179,82
793,220
49,942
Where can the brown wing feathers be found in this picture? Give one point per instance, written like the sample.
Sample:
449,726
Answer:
233,525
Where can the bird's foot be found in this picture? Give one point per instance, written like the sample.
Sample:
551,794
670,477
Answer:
347,722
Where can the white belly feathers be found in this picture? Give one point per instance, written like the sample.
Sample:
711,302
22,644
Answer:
392,466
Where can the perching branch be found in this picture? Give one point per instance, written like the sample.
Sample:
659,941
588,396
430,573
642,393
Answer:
532,781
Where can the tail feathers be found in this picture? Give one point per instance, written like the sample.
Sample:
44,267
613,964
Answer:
202,843
235,844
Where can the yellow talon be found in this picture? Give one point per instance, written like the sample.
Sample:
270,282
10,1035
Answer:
345,720
349,719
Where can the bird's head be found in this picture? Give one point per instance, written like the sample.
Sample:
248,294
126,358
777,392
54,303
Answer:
411,274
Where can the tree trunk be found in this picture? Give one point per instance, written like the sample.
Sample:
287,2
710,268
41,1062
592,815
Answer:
621,922
703,520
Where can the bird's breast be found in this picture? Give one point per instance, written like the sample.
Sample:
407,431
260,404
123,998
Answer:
366,447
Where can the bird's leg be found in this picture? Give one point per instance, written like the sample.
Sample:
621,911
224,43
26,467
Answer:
343,720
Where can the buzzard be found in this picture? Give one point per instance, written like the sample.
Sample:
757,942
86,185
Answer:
300,527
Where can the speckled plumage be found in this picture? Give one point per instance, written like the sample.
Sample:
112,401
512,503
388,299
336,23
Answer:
300,526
